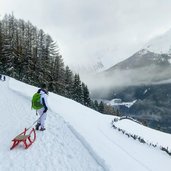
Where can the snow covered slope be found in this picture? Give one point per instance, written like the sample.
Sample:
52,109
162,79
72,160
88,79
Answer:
77,138
56,149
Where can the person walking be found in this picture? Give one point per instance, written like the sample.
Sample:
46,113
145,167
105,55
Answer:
43,111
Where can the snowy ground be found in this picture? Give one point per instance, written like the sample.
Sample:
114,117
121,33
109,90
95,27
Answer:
77,138
55,149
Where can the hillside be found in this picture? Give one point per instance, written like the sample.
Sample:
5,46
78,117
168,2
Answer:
143,67
160,44
151,104
77,138
129,79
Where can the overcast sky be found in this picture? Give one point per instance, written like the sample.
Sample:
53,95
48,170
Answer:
88,30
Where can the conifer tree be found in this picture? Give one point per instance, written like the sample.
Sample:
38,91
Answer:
86,95
31,56
59,75
68,82
77,89
101,107
96,105
1,48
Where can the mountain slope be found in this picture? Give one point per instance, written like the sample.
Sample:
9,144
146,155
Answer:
55,149
160,44
77,138
141,59
147,66
148,69
129,79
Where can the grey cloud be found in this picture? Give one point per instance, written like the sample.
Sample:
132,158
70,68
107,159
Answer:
87,30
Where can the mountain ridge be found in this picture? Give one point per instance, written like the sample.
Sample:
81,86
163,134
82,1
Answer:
145,70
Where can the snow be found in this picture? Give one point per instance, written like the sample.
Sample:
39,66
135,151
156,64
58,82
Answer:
162,82
145,91
150,135
160,44
143,52
115,102
77,138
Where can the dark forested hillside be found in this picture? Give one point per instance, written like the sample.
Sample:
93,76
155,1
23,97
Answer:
31,56
28,54
152,106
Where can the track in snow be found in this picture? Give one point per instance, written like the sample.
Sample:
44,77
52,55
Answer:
56,149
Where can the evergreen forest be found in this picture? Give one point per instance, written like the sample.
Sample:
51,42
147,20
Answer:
30,55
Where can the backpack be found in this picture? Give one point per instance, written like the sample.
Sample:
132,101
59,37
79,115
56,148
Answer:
36,101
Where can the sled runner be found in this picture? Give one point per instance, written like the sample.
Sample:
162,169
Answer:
27,139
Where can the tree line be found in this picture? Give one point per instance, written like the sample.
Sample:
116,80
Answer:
30,55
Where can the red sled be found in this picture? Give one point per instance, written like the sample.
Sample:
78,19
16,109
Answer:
27,139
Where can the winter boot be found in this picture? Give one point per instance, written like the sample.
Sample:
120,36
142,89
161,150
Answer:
42,129
37,126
